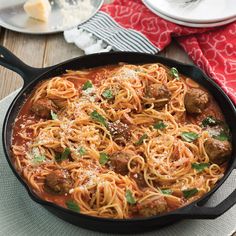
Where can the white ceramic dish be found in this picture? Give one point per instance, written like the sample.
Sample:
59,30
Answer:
13,17
195,11
185,23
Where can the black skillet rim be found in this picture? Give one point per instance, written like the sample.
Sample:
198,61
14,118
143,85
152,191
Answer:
183,211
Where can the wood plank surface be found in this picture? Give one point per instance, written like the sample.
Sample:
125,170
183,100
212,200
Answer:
58,50
29,48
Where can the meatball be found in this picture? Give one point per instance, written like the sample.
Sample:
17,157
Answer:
119,131
43,107
152,207
139,179
119,162
160,93
58,181
196,100
217,151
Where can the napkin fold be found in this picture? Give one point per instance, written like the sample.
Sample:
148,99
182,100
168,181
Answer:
103,30
127,25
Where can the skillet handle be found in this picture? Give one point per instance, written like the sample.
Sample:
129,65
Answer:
201,212
10,61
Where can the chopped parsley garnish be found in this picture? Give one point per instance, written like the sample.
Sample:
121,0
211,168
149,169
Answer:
223,136
81,151
99,118
72,206
108,94
38,159
174,73
189,136
167,191
141,139
58,157
210,120
87,84
103,159
54,115
129,197
160,125
200,166
189,192
63,156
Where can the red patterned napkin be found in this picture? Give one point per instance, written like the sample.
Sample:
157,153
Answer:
212,49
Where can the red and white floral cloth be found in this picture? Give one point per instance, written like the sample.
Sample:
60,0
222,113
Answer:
212,49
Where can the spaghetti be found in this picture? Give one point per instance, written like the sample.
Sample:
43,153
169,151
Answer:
121,141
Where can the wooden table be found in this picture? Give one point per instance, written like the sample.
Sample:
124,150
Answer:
43,51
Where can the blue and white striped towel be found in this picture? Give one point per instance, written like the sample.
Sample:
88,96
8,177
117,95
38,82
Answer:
102,34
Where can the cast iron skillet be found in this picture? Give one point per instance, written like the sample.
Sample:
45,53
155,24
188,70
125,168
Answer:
196,210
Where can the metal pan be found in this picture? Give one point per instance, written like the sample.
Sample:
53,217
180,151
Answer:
13,17
196,210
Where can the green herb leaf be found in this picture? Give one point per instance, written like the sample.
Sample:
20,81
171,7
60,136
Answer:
222,137
99,118
200,166
224,134
210,120
103,159
63,156
72,206
107,94
166,191
189,136
129,197
82,151
189,192
159,125
39,158
58,157
174,73
54,115
141,139
87,84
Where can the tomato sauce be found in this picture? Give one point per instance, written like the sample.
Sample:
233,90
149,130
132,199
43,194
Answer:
26,116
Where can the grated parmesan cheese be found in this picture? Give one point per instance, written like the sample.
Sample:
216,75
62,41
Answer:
89,94
126,74
88,91
74,12
71,191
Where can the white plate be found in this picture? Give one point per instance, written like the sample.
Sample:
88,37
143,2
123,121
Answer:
190,24
13,17
196,11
